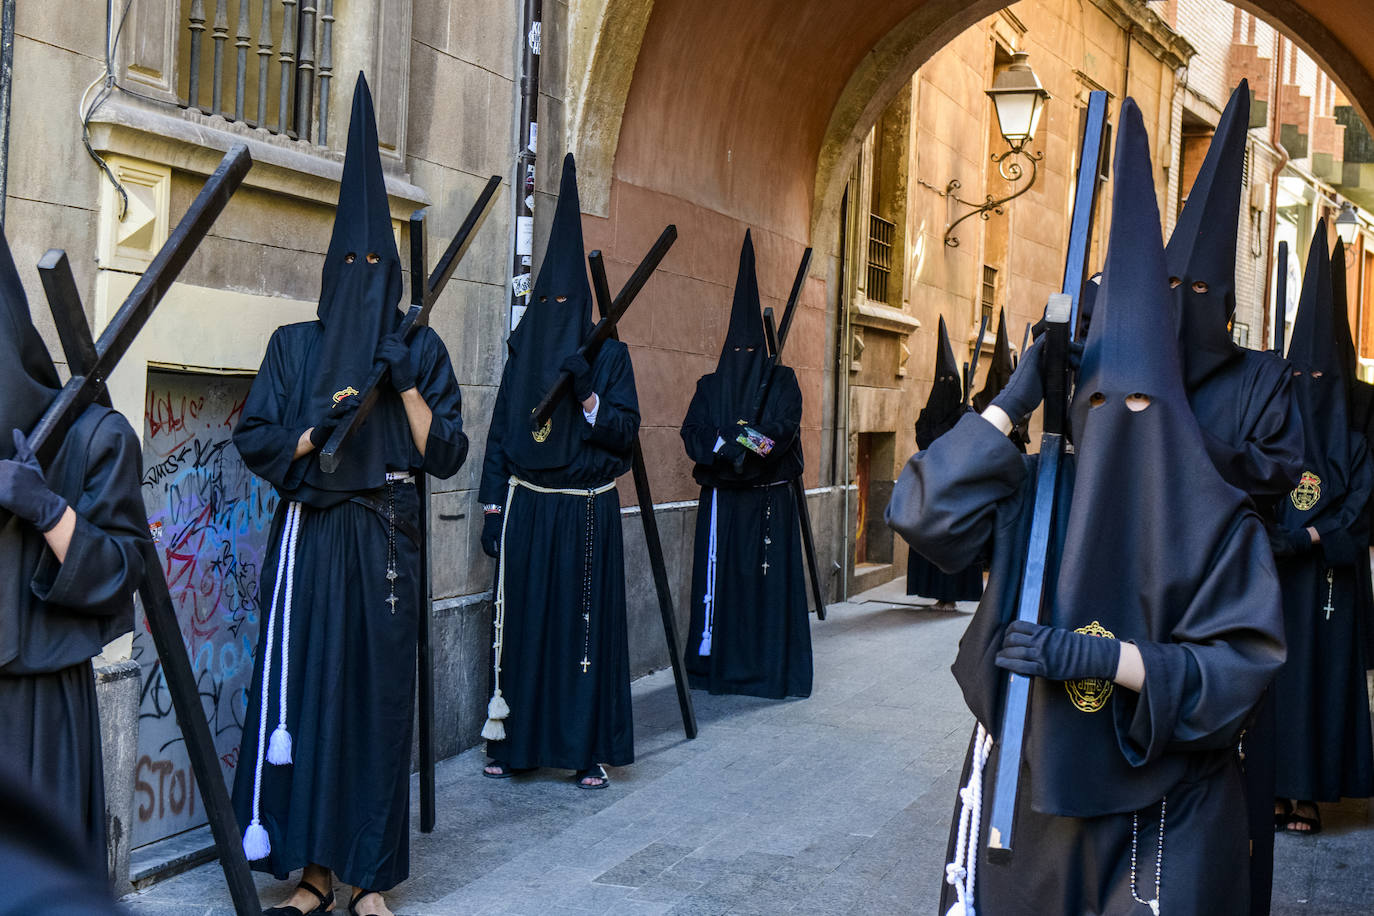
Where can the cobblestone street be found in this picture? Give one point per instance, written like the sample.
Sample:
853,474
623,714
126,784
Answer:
835,804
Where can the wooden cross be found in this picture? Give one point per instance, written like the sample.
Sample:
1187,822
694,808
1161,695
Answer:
91,363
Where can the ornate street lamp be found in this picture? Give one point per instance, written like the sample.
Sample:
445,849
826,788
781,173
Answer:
1347,224
1019,99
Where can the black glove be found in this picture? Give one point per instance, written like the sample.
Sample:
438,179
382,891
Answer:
491,534
1026,387
337,416
24,490
581,371
396,352
1056,653
731,452
1287,542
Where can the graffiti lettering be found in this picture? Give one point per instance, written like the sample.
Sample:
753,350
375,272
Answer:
215,517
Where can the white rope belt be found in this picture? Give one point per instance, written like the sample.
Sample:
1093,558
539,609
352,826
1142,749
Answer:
962,873
498,710
256,844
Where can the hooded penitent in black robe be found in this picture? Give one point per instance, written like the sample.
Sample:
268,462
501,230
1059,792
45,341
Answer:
999,373
1243,402
562,662
1359,405
1323,743
943,409
55,617
750,631
1241,397
1148,545
349,657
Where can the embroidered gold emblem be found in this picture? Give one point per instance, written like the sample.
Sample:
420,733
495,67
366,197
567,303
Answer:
542,432
1307,492
1090,694
348,392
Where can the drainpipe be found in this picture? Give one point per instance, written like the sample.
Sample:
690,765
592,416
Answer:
1275,83
523,183
842,393
6,84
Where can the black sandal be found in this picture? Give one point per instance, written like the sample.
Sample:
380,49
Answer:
507,771
595,772
353,904
326,901
1313,824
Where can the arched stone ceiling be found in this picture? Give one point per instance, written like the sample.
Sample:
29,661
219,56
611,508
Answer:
737,105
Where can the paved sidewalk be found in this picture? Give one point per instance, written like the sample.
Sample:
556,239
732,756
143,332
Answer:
835,804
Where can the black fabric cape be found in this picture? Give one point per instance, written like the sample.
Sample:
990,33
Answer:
1183,572
562,554
43,848
760,641
1359,405
1323,746
352,653
54,617
943,409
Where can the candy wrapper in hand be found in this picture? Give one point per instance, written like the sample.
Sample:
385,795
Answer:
754,440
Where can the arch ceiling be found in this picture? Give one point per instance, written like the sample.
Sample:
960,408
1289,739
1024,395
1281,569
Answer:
736,106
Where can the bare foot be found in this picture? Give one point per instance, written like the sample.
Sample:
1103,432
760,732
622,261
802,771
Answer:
594,778
318,877
1305,818
369,904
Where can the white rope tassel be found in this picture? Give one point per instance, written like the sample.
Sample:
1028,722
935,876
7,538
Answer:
962,872
279,747
497,709
710,598
256,844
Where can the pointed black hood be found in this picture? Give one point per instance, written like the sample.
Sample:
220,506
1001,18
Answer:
1202,251
735,383
999,369
1340,315
1319,387
946,402
28,379
1148,513
557,320
359,291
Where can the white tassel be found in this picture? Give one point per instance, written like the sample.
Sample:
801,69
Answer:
956,909
709,600
256,845
279,748
498,708
494,730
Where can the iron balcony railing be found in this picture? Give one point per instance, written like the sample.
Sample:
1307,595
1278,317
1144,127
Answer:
283,100
879,257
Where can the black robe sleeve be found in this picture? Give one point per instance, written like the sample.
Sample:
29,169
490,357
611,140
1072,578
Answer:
1267,462
104,563
1201,685
945,502
698,431
617,411
782,414
1338,541
447,445
264,439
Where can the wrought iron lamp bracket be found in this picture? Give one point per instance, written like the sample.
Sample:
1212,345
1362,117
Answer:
1010,169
